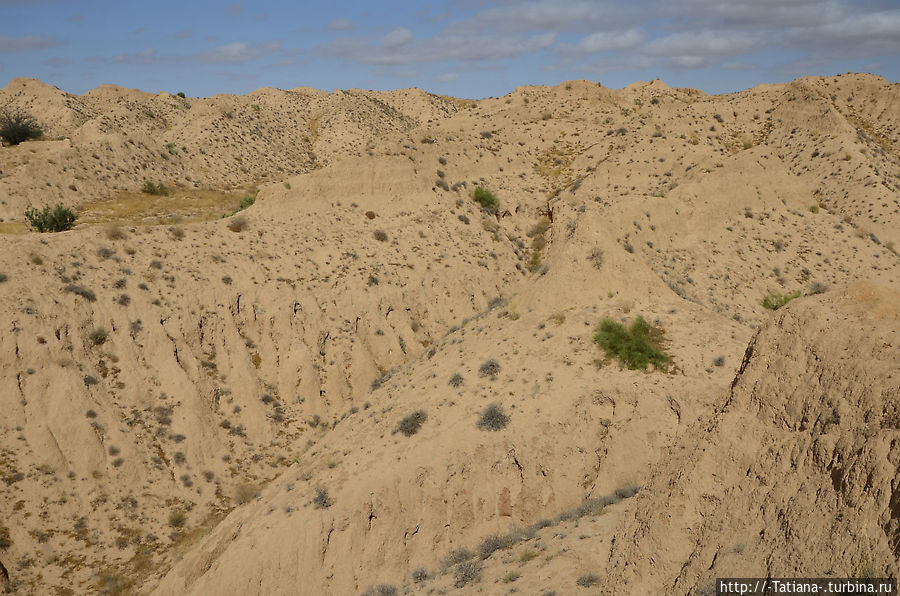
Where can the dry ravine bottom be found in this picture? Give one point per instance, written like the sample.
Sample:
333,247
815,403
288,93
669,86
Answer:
571,340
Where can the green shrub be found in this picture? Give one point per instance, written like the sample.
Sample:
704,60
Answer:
774,300
155,189
56,219
486,199
17,127
245,202
635,347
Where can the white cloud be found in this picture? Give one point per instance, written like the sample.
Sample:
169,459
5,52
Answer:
28,42
447,77
232,53
876,31
396,38
605,41
704,43
553,16
457,45
235,52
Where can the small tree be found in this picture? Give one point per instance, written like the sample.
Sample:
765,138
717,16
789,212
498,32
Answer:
16,127
56,219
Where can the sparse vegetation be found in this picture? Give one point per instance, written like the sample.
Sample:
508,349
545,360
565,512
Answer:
493,543
98,336
636,347
493,418
380,590
82,291
177,518
486,199
238,224
151,188
245,492
380,235
17,127
411,424
5,538
55,219
456,380
322,500
775,300
466,573
489,368
588,580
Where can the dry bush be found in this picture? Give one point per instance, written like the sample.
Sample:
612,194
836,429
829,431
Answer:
238,224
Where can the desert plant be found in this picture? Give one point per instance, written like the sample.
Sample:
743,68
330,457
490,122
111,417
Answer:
82,291
5,539
457,556
155,189
380,590
381,235
635,347
419,575
322,500
411,424
56,219
489,368
98,336
775,300
817,287
238,224
587,580
466,573
247,202
493,543
3,277
244,493
486,199
177,519
18,127
456,380
493,418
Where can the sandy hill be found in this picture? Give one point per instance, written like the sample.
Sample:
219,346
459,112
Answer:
207,404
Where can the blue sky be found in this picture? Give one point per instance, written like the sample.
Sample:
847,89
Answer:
466,48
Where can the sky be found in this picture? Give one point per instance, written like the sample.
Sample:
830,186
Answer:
464,48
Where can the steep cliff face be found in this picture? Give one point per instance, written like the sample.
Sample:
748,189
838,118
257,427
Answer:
797,473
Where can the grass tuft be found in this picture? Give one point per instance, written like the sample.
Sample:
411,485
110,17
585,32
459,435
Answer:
635,347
